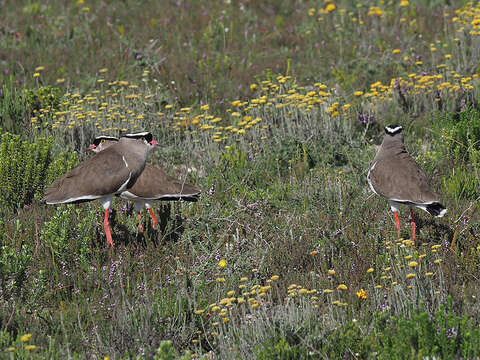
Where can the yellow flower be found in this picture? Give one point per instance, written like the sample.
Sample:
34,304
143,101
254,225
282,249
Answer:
204,107
331,272
429,274
327,291
274,277
30,347
199,312
403,3
411,275
358,93
26,337
448,56
412,264
40,68
11,349
221,280
342,287
313,253
36,75
438,261
370,270
362,294
396,51
225,320
231,293
330,8
253,87
378,286
86,9
243,279
222,263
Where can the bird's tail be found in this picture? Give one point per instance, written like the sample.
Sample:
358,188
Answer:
436,209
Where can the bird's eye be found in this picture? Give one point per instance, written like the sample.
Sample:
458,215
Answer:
142,138
103,140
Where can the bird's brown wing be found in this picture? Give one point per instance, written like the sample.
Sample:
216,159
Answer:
400,178
100,175
155,183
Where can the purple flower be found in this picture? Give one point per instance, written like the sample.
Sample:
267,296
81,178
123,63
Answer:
366,118
452,333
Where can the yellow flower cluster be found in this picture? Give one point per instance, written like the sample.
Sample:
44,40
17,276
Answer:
224,309
468,18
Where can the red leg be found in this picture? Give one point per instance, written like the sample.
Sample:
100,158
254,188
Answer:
154,218
397,221
140,226
414,226
107,229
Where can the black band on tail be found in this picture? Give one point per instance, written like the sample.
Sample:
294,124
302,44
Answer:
436,209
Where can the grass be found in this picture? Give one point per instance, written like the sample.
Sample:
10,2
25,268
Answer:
275,111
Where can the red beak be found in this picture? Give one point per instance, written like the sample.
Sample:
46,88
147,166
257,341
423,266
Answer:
91,147
153,142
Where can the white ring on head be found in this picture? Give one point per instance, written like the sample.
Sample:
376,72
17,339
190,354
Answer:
394,130
144,133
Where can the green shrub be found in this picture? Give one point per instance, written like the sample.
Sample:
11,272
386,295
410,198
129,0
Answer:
13,109
462,184
460,134
25,168
280,350
67,235
45,97
14,261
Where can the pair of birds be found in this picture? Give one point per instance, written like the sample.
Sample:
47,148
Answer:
119,168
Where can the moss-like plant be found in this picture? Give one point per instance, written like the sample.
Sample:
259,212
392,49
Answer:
25,168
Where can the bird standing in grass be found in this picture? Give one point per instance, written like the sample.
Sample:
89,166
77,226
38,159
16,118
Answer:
395,175
104,175
153,184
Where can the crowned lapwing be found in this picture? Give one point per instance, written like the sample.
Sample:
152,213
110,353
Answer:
104,175
395,176
153,184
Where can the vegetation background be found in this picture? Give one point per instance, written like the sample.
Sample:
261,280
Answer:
275,110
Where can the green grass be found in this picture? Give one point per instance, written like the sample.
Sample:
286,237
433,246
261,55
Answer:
275,111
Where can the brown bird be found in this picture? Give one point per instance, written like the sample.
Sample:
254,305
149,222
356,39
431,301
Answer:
104,175
153,184
395,176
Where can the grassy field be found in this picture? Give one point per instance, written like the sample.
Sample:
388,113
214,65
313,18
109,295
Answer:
275,110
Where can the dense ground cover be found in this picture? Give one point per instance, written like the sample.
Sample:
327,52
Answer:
275,111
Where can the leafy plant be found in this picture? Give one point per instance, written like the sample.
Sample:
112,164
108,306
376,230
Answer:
26,167
13,109
23,169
